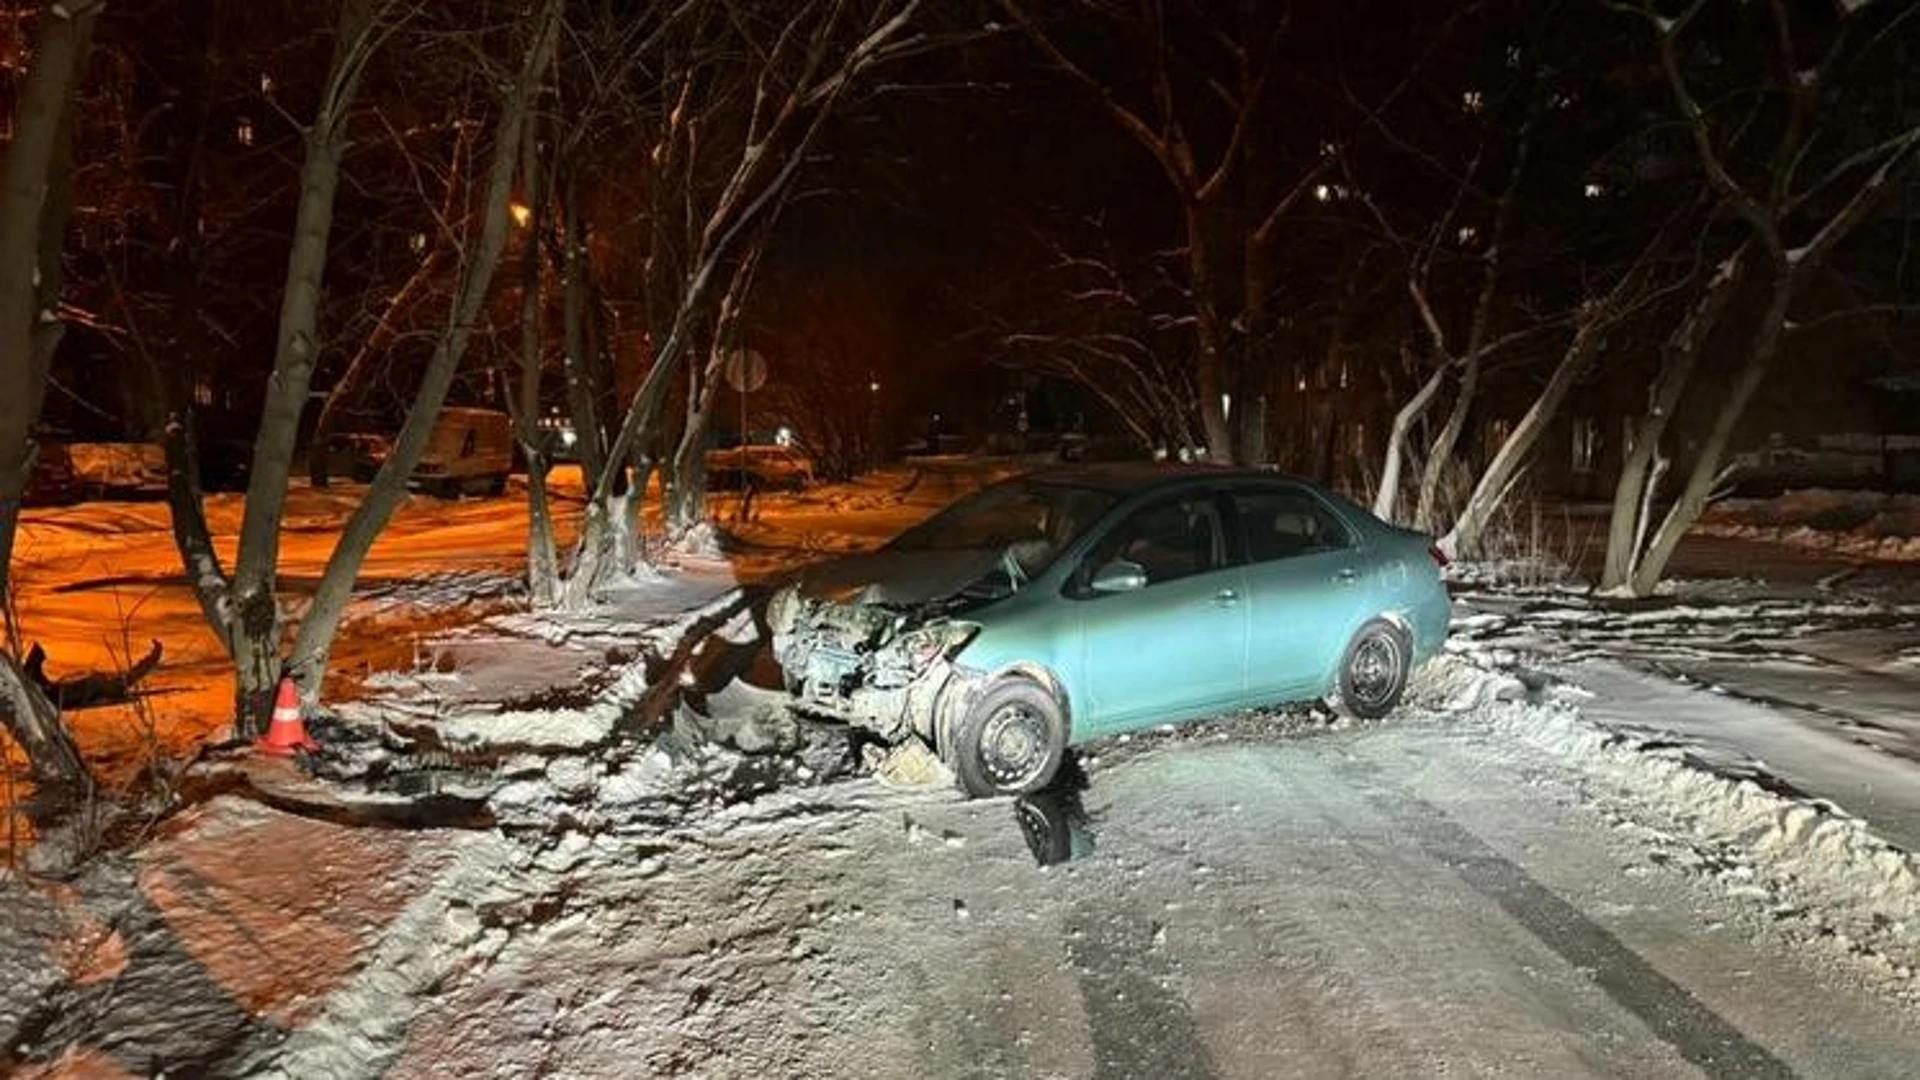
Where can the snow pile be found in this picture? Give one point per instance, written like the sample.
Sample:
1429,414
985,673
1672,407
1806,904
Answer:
1866,524
1801,858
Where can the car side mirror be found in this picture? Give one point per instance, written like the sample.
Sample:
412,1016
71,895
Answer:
1119,576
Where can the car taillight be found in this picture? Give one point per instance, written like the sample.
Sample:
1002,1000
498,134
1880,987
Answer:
1439,557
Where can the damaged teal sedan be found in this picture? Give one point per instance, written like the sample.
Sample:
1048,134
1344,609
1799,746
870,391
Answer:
1078,603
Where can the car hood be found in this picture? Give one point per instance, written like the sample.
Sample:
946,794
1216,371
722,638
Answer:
899,578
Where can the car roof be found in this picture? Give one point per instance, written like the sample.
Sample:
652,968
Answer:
1134,477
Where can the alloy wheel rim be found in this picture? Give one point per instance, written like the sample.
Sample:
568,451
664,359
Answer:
1376,663
1013,745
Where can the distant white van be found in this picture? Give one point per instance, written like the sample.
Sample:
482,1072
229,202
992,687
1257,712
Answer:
469,453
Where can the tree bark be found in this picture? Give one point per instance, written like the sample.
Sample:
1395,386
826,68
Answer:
1693,496
1633,492
1497,480
35,200
34,723
1386,499
313,645
254,627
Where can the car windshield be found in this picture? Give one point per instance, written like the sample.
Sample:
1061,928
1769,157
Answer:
1032,522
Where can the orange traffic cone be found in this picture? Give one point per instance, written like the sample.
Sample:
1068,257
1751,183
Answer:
288,732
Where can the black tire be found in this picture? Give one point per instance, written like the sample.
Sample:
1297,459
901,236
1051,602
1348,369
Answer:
1010,743
1374,671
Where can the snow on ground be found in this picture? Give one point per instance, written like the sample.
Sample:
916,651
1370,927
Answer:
1605,838
1809,693
1473,887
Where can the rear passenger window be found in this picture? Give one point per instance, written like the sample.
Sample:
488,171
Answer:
1280,524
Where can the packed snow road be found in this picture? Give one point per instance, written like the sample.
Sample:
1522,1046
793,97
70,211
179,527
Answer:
1270,898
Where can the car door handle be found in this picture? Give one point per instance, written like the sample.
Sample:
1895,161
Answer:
1226,598
1345,575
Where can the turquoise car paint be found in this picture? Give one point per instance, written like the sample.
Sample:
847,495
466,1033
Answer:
1262,592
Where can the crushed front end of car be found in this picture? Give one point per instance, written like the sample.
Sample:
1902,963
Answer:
887,668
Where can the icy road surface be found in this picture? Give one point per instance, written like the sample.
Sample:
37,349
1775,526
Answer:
1420,898
1815,688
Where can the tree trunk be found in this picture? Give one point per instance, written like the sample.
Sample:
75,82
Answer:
1693,497
313,645
256,628
1496,482
687,506
1209,381
1386,500
1634,491
1426,513
35,200
576,265
523,386
35,725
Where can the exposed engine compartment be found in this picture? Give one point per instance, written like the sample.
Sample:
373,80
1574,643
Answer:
881,666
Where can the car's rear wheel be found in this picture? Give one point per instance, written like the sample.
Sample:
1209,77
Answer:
1011,742
1373,674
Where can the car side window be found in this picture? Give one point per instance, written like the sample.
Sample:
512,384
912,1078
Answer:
1282,524
1169,540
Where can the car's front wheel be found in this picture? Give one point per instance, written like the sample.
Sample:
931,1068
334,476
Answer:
1011,742
1373,674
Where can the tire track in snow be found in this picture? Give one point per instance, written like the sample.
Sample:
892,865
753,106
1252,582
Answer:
1138,1026
1669,1010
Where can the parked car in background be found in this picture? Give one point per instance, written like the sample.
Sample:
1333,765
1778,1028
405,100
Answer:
52,481
1085,601
469,453
357,455
767,467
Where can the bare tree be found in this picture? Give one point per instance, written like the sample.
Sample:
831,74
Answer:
740,103
35,203
420,283
1794,228
1087,320
313,644
1231,201
244,610
1594,318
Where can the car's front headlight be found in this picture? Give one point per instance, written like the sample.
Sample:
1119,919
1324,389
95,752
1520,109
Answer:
936,642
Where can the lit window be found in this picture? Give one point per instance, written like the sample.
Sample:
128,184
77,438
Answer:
1468,234
266,83
243,131
418,242
203,392
1323,192
1594,190
1473,101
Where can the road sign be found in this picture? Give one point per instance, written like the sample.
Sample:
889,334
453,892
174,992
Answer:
745,370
